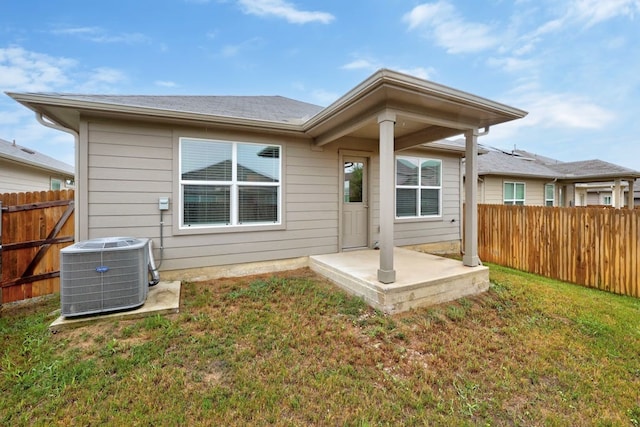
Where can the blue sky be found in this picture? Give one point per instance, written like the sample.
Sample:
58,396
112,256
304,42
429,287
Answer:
574,65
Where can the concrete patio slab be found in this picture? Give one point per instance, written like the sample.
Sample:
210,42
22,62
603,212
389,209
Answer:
163,298
421,279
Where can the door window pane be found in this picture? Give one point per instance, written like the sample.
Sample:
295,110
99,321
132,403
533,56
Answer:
353,182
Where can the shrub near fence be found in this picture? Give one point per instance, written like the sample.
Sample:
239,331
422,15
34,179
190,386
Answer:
593,247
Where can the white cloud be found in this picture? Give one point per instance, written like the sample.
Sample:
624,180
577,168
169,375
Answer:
420,72
360,64
107,75
23,70
441,22
372,65
165,83
592,12
235,49
560,113
512,64
26,71
567,110
286,10
100,35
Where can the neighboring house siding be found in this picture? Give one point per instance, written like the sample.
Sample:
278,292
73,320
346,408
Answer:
15,178
492,191
595,198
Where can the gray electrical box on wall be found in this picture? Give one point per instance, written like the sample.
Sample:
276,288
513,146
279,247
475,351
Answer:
163,203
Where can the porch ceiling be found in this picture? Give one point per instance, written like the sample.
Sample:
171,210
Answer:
425,111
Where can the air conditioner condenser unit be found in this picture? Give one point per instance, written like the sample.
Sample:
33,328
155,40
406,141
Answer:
103,275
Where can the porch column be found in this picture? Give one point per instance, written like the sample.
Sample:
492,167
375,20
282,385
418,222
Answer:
630,195
470,257
386,122
616,199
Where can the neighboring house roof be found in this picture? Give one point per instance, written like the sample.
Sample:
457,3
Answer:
593,169
19,154
525,164
458,145
496,162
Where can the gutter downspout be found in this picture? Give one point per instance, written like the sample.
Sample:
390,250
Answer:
52,125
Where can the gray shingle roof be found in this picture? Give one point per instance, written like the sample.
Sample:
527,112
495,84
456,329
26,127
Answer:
268,108
592,168
500,163
526,164
25,155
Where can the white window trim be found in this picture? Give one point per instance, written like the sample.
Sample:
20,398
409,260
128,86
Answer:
55,181
234,186
419,187
553,197
514,200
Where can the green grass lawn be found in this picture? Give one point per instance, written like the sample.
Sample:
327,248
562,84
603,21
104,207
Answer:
292,349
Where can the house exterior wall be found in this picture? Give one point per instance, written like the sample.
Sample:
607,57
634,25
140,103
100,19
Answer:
445,228
131,165
491,190
18,178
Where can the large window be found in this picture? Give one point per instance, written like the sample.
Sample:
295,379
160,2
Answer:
549,194
514,193
225,183
418,187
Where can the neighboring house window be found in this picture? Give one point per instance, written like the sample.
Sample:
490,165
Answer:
224,183
56,184
606,200
418,187
514,193
549,193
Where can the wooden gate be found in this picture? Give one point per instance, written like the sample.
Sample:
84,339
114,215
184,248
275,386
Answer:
35,226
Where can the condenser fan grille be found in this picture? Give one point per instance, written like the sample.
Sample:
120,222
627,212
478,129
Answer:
99,276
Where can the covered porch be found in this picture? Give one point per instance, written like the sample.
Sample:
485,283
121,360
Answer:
400,112
421,279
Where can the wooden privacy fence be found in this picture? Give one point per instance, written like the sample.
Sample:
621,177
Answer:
35,226
593,247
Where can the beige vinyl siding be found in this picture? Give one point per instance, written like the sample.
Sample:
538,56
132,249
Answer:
20,178
132,165
492,191
129,169
440,229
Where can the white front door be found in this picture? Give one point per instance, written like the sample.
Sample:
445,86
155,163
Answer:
355,203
